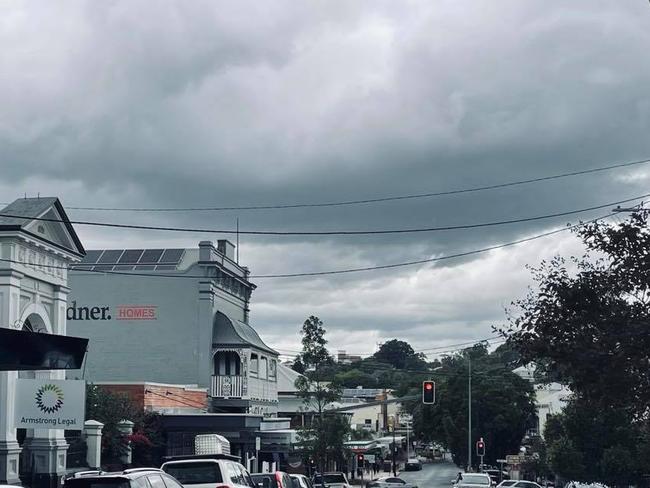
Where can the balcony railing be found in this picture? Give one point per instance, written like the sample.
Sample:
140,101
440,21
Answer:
227,386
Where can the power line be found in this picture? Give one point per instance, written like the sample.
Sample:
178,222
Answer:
432,260
369,200
332,232
367,355
322,273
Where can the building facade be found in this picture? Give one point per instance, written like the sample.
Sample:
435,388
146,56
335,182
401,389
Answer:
37,244
174,316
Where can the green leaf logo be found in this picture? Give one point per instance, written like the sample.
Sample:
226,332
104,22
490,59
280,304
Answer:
49,398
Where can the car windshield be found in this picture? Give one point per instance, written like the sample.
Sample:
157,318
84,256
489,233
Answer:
330,478
194,473
476,479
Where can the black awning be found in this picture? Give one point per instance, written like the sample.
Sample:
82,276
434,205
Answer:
23,350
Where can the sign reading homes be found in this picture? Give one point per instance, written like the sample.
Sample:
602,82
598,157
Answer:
121,312
50,404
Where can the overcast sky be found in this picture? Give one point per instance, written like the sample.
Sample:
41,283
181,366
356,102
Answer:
204,103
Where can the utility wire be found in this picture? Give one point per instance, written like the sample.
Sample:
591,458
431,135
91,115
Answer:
320,273
370,200
327,233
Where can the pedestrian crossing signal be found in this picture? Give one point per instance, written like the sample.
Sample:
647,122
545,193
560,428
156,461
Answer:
429,392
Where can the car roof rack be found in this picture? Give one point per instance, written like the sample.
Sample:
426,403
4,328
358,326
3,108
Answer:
189,457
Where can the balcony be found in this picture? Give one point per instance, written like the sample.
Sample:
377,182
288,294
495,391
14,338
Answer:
231,386
227,386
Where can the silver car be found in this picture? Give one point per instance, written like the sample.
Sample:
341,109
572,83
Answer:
473,480
390,482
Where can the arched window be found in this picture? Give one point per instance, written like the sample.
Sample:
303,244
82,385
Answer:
263,371
227,363
254,364
273,370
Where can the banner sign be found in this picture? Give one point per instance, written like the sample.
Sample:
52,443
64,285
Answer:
50,404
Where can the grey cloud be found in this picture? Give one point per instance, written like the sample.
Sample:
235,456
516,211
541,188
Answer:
245,103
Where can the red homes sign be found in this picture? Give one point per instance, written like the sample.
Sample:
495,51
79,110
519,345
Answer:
121,312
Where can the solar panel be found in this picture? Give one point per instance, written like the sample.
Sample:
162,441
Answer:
131,256
110,256
150,256
91,257
172,256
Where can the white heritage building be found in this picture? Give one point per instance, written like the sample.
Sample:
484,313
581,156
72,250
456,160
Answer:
33,296
174,316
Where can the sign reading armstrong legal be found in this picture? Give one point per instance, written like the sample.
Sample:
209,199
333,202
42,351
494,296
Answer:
50,404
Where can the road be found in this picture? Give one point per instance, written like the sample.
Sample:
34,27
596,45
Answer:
433,475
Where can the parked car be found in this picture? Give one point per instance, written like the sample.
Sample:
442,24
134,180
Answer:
413,464
277,479
209,471
526,484
331,480
301,481
129,478
505,483
473,480
390,482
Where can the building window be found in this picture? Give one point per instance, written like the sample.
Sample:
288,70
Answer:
263,368
254,364
272,370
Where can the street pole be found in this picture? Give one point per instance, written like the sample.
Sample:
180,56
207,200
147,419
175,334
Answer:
394,450
469,414
408,442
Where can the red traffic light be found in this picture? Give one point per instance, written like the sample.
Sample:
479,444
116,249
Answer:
360,458
428,392
480,448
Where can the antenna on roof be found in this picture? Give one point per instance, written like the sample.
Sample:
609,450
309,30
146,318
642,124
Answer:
38,195
25,195
237,246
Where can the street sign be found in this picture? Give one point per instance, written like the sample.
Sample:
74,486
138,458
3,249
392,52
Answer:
512,459
502,461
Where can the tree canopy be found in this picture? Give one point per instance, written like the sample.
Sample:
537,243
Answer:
502,405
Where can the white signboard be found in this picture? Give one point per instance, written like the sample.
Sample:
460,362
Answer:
50,404
370,458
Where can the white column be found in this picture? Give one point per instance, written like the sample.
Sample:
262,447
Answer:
126,428
93,435
9,448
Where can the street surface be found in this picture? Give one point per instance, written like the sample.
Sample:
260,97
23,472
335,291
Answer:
433,475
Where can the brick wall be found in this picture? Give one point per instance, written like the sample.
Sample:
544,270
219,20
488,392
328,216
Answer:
155,396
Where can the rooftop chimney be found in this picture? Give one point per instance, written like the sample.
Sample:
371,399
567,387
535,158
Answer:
226,248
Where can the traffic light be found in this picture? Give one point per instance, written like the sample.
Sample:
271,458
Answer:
429,392
360,459
480,447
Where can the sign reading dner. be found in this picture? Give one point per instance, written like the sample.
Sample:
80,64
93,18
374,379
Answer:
50,404
122,312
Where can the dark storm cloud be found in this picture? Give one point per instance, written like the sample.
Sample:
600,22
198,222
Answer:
201,104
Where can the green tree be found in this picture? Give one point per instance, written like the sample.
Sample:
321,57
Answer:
323,438
400,355
110,409
502,406
585,324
